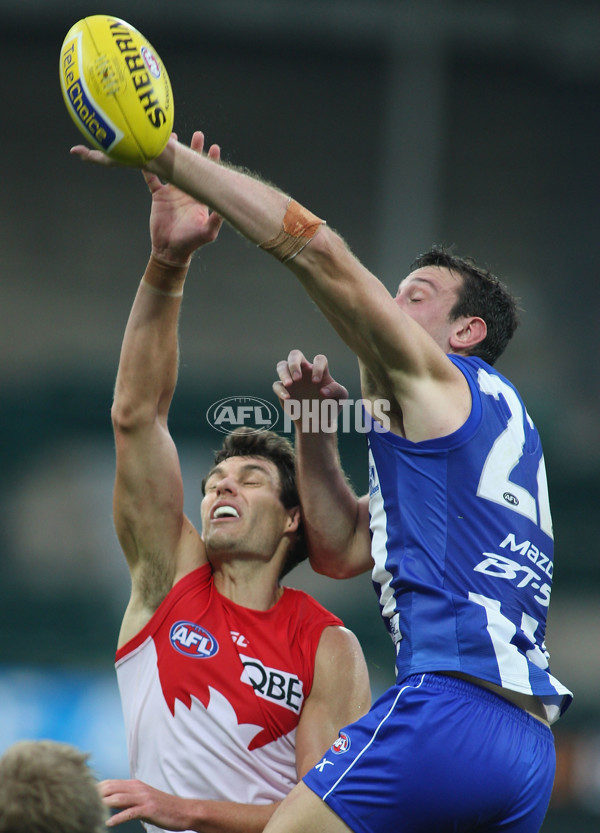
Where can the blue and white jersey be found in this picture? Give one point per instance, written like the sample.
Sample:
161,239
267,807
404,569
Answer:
463,544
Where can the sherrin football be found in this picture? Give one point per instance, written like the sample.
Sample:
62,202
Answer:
116,89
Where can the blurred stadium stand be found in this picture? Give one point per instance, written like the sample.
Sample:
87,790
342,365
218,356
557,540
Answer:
403,123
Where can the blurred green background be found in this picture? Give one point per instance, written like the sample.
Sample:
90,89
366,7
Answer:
403,124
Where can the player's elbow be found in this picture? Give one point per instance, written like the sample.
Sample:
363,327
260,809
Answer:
336,565
323,254
128,416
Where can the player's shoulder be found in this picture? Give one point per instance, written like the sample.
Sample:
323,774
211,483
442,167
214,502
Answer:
306,606
477,368
144,613
340,656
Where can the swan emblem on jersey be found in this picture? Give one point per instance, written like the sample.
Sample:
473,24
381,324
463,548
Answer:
194,684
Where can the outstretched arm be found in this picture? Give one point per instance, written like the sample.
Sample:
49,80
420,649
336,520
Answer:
335,520
158,541
399,360
137,800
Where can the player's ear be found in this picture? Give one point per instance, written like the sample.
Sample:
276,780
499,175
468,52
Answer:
294,518
468,333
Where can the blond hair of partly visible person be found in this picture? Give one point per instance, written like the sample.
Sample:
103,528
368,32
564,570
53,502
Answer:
47,787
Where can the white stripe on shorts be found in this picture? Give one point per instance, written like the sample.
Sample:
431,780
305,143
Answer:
364,749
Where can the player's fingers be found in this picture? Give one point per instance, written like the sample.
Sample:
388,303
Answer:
283,371
197,142
129,814
121,789
214,223
320,369
120,800
297,362
96,156
109,786
333,390
280,390
152,181
214,152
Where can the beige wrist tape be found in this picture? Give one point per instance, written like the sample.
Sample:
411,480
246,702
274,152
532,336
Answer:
163,277
166,293
298,229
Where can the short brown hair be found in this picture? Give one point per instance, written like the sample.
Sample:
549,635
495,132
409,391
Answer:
48,787
481,294
244,442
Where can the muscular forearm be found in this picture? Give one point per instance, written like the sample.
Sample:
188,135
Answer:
132,799
149,355
335,520
253,207
330,273
230,817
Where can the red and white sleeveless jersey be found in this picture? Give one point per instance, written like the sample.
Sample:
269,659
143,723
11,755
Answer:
212,692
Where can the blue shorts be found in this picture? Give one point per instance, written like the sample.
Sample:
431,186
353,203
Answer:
437,754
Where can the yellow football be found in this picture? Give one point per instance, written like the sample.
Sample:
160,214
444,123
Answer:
116,89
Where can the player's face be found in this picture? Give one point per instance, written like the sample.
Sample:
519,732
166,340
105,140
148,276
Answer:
427,295
242,511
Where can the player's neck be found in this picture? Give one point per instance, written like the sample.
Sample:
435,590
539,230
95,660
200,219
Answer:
245,585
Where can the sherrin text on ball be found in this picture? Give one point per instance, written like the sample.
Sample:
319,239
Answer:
116,89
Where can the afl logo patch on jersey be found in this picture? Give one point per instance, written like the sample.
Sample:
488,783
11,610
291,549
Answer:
342,744
373,480
510,498
192,640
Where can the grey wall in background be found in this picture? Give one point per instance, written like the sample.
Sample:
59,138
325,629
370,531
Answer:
402,124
